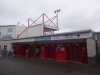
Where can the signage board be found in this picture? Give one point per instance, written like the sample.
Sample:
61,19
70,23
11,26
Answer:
71,36
57,37
42,38
65,36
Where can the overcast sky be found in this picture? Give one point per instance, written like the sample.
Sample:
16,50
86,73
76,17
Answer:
74,15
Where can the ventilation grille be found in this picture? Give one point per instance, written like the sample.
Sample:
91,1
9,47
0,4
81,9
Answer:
10,30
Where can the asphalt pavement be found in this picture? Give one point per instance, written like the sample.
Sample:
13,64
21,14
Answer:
30,66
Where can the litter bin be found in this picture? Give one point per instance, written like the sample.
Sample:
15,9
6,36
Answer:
27,53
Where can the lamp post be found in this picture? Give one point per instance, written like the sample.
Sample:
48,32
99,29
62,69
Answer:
56,11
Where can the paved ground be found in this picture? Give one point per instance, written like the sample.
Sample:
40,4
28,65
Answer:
30,66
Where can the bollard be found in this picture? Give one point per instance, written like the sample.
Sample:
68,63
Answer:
27,53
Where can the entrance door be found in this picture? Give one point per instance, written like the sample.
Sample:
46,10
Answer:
78,54
31,50
84,53
49,52
68,52
43,51
5,49
73,53
52,52
46,51
39,52
60,53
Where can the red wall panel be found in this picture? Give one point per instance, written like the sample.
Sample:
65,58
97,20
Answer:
60,53
43,51
66,52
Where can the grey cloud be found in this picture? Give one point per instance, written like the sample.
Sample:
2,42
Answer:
82,20
74,15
